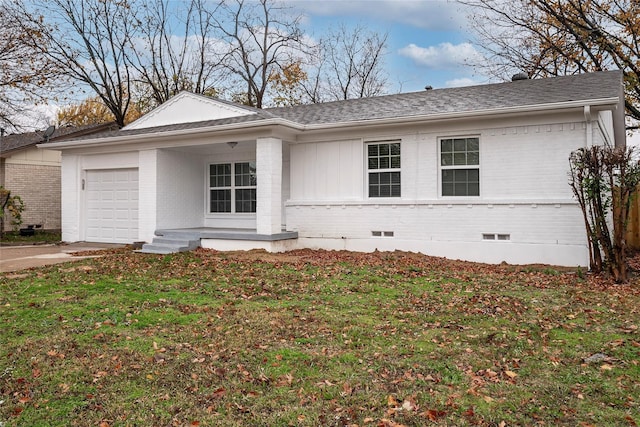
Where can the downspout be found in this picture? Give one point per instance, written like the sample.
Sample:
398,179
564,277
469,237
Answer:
619,120
589,131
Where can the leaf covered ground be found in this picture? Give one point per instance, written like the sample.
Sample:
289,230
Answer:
315,338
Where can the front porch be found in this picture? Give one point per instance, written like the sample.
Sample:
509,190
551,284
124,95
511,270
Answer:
222,239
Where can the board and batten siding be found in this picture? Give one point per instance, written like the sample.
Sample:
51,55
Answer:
180,192
524,193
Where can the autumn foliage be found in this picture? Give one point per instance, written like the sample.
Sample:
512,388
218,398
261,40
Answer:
92,111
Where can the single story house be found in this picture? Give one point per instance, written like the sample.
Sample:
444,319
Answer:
34,174
476,173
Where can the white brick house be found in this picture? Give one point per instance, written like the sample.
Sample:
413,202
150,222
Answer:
476,173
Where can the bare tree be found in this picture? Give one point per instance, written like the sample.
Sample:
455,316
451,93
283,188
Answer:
87,41
345,64
355,60
25,74
176,49
314,86
263,38
557,37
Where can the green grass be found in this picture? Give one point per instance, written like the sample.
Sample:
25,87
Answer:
314,339
39,237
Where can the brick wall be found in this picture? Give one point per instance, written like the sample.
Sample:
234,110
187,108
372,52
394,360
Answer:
39,188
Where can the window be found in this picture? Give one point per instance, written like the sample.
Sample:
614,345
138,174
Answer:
460,165
383,166
232,187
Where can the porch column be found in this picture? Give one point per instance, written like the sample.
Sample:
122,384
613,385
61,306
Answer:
269,187
147,194
71,207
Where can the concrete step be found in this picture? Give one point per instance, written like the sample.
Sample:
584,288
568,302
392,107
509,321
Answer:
151,249
169,245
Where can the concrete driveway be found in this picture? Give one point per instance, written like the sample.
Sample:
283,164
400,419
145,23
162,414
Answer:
15,258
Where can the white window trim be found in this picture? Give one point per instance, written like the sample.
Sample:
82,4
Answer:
233,187
367,170
441,168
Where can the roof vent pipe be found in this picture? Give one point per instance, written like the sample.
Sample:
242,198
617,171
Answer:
519,76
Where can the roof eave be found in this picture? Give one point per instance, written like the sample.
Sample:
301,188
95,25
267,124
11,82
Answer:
231,127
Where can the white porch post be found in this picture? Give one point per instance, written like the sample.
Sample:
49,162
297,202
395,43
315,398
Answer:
71,206
269,188
147,194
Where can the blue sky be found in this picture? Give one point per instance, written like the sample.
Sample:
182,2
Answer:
428,39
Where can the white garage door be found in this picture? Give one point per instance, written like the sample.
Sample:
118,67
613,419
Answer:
112,205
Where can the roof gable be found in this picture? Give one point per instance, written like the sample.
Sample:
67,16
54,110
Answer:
187,107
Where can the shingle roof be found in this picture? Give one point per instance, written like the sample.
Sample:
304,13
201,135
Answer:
521,93
19,141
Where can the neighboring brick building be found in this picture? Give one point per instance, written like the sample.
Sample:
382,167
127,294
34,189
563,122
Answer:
34,174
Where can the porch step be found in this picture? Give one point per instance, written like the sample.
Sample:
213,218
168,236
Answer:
170,245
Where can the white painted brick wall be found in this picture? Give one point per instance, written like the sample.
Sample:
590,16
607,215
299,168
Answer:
551,226
70,206
269,190
148,181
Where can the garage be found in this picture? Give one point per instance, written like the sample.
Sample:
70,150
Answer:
111,205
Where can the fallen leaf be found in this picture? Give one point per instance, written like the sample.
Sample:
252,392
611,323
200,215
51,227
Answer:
510,374
392,401
409,405
433,414
218,393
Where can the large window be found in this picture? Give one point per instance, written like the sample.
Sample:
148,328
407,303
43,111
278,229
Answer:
232,187
383,167
460,166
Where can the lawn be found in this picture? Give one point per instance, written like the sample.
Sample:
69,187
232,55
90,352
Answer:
10,238
314,338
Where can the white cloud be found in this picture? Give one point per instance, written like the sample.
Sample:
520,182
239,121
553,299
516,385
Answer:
35,117
431,14
465,81
443,56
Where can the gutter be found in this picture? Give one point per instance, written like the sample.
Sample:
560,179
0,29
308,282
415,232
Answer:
588,141
277,121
